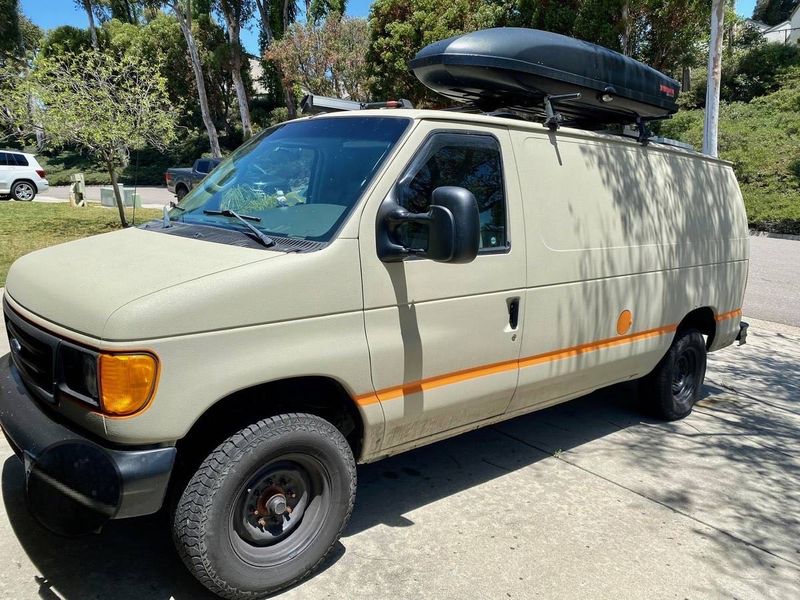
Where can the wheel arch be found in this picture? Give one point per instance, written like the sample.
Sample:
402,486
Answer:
322,396
23,179
703,320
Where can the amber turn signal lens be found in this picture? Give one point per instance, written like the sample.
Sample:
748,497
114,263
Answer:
127,382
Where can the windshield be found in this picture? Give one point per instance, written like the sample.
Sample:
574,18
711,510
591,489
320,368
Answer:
300,179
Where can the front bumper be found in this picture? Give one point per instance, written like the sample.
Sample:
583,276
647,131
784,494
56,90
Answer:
74,484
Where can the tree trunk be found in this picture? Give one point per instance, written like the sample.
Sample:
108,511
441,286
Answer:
291,101
264,9
626,29
197,67
711,121
238,83
87,6
112,170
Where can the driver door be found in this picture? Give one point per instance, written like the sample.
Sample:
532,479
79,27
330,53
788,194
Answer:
444,339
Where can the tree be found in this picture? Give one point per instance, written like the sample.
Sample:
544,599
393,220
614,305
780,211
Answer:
275,16
89,8
183,11
10,31
400,28
105,103
666,34
236,13
773,12
327,59
127,11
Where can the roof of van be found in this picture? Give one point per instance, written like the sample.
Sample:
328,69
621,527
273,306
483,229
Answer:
519,124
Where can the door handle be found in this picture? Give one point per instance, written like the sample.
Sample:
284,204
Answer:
513,312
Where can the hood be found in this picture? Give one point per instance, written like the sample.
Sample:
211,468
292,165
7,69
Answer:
80,284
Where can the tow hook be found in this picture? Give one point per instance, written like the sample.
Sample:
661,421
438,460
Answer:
742,337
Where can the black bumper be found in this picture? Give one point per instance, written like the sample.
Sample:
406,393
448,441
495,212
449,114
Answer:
73,483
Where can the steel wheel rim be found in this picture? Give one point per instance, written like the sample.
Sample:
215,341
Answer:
24,191
684,377
304,483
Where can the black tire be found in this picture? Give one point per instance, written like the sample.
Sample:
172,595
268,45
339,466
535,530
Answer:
180,192
215,526
673,387
23,191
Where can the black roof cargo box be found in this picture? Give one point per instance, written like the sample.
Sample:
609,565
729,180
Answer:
512,67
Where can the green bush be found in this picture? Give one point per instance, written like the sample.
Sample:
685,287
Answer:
762,140
753,73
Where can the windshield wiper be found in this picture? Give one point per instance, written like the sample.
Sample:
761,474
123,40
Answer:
263,238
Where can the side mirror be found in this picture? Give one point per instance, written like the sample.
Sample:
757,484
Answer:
453,228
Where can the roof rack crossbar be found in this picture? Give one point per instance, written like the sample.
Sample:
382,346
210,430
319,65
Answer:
311,104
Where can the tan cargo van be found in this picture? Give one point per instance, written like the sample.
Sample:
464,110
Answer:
346,287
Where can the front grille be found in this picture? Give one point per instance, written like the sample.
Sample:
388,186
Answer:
32,351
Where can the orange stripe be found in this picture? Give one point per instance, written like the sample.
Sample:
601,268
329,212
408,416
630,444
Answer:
592,346
472,373
729,315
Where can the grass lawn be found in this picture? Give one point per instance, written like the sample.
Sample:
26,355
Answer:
28,226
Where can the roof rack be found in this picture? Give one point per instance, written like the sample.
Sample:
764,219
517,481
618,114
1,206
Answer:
314,105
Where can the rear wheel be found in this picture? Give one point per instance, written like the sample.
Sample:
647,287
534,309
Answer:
673,387
266,507
23,191
180,192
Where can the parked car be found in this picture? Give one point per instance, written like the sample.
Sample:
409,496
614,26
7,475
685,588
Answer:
417,274
21,176
180,180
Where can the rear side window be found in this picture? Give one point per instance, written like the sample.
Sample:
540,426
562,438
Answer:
3,159
471,161
202,166
17,159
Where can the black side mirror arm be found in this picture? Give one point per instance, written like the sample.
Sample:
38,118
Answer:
390,217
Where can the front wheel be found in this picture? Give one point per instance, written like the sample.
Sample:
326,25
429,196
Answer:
673,387
266,507
23,191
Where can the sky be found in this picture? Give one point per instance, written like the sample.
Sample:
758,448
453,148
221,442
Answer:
52,13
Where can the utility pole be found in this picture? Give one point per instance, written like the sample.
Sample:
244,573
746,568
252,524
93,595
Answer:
714,75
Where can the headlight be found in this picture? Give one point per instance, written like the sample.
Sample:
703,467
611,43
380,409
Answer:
119,384
127,382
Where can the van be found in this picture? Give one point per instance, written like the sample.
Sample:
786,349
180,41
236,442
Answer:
346,287
21,176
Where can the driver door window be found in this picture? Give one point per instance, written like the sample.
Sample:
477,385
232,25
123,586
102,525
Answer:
465,160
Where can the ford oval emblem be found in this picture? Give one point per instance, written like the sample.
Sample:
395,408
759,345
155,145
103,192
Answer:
15,345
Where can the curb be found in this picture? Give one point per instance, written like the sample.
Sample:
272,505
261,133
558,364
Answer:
778,236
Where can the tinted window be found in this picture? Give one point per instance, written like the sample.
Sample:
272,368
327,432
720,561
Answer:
301,178
202,166
3,159
464,160
18,159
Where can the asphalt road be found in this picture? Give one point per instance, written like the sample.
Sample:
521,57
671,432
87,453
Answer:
773,286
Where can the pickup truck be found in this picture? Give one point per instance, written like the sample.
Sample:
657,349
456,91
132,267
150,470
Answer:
182,179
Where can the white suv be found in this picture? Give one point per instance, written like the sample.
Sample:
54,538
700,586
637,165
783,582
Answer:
21,176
